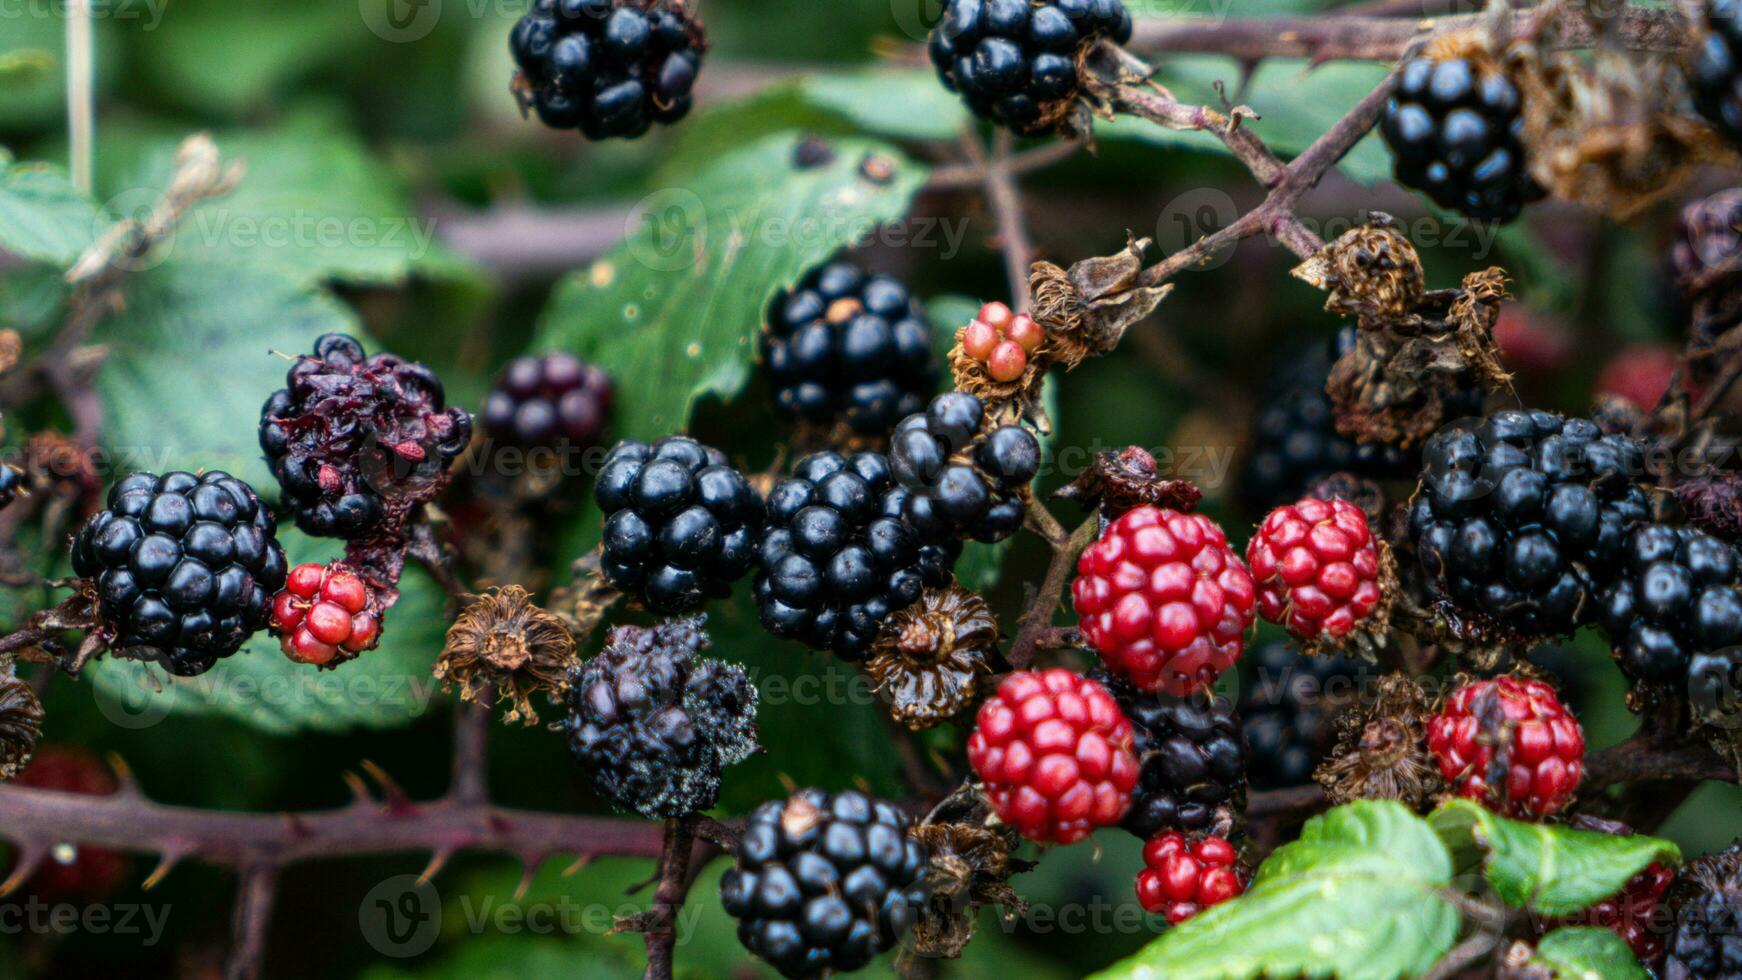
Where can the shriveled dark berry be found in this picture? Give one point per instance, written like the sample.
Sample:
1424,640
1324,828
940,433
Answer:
607,68
1456,134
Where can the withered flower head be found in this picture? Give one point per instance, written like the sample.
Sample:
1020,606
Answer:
1117,481
1381,751
505,645
929,658
1087,308
1361,491
970,867
20,725
1371,270
1714,503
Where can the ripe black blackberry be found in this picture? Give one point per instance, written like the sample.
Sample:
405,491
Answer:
654,723
1455,131
1295,443
607,67
1193,757
1674,615
1288,709
553,400
1715,72
351,438
837,559
847,346
964,481
1523,517
1015,61
680,523
185,566
823,884
1707,899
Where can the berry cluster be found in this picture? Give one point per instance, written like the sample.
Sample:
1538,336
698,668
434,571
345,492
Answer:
1164,600
846,346
963,481
1183,875
1193,759
823,884
185,566
1524,516
607,67
325,615
1716,71
1707,941
1318,569
350,437
680,523
653,722
1002,340
1055,754
1015,61
553,401
1288,709
1522,725
1454,126
837,559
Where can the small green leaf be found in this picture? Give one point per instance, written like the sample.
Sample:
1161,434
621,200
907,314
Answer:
389,686
42,218
1587,953
1358,896
673,312
1552,870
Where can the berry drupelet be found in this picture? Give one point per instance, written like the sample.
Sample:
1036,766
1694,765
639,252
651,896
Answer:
607,67
1184,874
1055,755
1715,70
1015,61
1193,759
824,883
552,401
680,523
837,559
351,438
654,723
1164,600
325,615
185,566
1454,127
1288,708
1521,724
847,346
965,480
1523,517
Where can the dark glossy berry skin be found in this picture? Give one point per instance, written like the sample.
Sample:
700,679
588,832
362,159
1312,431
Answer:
952,497
1295,442
1715,72
1706,943
1012,59
1288,704
681,524
653,723
837,559
185,566
845,345
1193,759
348,431
608,68
11,481
1455,132
551,400
1522,517
824,883
1674,615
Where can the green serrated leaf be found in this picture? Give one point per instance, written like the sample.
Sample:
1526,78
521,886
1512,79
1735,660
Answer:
672,313
1552,870
389,686
191,360
1587,953
42,218
1358,896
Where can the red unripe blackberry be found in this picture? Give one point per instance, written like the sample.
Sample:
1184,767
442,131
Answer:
1164,600
1184,874
1510,745
1639,374
1002,340
1631,913
552,400
1055,755
1318,568
325,615
73,872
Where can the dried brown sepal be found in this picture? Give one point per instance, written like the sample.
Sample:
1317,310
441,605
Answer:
1119,480
970,868
20,724
929,659
505,647
1381,751
1087,308
1370,272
